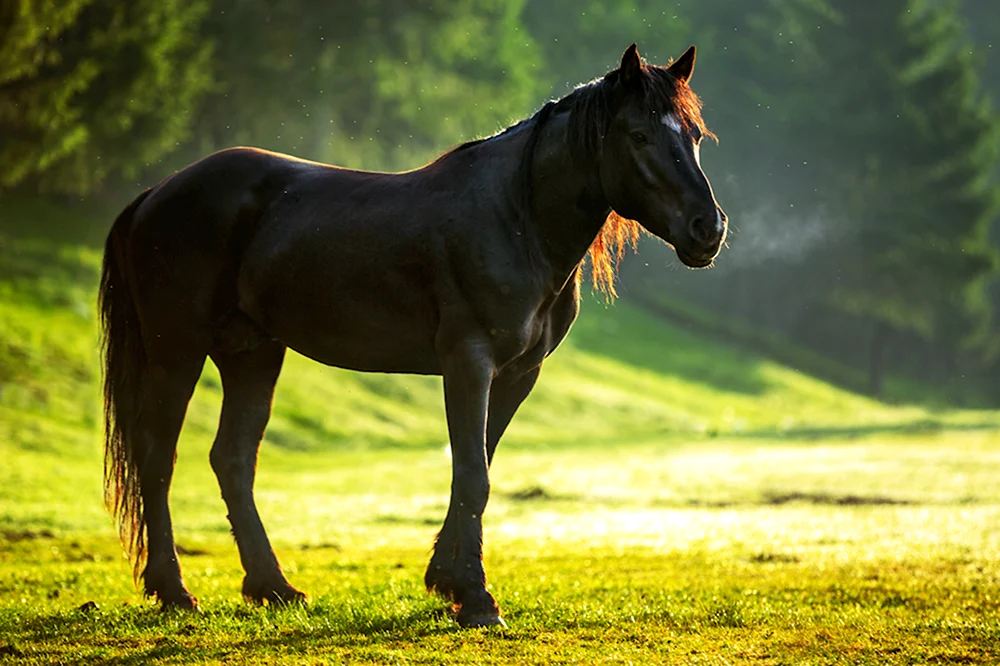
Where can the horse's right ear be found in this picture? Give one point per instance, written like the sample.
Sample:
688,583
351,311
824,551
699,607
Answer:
628,71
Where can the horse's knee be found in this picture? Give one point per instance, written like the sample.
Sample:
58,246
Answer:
222,460
230,470
472,490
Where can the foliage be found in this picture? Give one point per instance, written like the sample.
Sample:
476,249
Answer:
376,84
983,24
919,194
94,88
583,40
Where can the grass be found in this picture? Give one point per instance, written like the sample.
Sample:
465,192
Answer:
660,498
652,552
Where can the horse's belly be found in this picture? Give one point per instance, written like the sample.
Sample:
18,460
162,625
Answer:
347,295
366,328
382,352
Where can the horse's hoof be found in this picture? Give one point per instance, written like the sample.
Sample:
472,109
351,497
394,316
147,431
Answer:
278,595
478,609
481,621
289,597
180,603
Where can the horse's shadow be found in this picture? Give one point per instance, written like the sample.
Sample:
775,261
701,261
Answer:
143,635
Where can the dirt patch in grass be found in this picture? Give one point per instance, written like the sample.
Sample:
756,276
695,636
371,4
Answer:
779,498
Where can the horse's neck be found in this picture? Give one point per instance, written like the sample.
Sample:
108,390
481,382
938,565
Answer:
568,206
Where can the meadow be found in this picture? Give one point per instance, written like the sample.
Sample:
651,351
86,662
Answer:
661,498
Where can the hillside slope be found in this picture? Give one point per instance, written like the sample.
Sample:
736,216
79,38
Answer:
622,375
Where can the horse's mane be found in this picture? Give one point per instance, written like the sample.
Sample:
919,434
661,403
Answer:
591,111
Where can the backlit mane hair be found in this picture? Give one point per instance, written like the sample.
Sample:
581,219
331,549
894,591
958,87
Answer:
591,112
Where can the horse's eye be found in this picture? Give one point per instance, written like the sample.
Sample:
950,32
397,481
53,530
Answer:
638,138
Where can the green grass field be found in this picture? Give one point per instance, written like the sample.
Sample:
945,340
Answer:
660,499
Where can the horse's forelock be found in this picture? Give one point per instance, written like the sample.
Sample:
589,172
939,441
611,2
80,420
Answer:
668,95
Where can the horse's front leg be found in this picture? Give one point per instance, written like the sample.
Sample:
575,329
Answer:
507,392
468,372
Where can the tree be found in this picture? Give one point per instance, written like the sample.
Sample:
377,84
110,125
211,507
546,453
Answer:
91,88
905,144
983,21
583,39
375,83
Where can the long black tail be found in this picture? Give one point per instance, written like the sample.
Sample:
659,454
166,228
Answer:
124,374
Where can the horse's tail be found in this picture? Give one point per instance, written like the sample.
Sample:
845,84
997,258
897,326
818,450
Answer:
125,367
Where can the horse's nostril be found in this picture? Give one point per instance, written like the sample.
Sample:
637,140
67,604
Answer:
706,230
700,229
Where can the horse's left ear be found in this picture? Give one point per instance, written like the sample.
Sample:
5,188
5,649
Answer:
683,67
631,66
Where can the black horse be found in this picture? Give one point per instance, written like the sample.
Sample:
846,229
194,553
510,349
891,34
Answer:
468,268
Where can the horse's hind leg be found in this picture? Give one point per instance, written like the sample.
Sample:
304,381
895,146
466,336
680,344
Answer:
248,380
172,379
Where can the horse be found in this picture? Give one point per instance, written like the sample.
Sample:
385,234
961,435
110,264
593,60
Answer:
469,268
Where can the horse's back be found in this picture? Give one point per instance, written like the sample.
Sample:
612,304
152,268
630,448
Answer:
319,257
220,187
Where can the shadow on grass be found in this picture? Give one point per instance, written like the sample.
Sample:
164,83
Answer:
142,635
921,426
776,498
766,498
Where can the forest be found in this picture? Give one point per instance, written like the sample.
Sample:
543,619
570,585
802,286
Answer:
857,152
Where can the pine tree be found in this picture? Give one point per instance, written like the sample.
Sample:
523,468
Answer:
983,22
892,116
373,83
583,39
93,88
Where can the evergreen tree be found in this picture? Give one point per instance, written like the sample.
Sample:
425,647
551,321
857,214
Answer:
374,83
904,144
983,21
91,88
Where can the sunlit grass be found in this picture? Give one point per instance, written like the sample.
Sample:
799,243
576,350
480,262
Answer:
596,556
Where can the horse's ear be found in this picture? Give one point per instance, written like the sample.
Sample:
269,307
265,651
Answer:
628,71
683,67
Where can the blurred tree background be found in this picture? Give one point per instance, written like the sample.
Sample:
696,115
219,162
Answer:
858,153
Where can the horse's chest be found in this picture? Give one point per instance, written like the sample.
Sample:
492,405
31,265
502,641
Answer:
525,344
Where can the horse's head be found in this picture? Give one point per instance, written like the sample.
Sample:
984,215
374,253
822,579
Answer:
650,168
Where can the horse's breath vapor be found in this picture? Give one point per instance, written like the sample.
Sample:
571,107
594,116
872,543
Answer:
468,268
765,235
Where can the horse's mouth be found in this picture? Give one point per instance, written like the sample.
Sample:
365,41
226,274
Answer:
695,262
